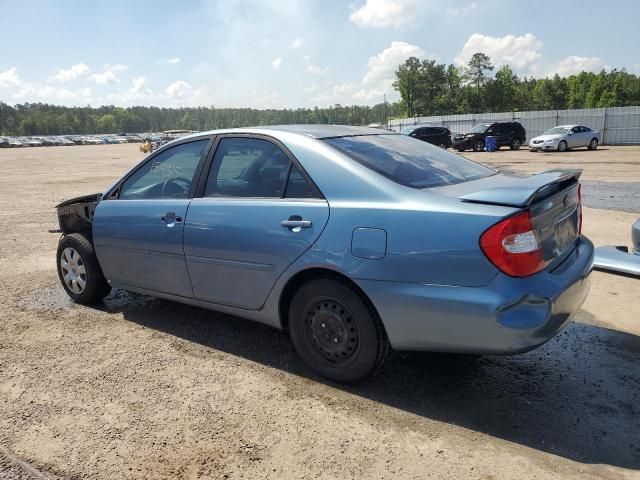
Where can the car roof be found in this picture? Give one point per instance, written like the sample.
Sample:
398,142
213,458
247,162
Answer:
311,130
327,131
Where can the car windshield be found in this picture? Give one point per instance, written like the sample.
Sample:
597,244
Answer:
556,131
408,161
480,128
407,130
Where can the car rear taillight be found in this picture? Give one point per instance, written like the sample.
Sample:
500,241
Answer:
579,209
512,245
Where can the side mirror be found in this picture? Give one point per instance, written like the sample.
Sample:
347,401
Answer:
570,132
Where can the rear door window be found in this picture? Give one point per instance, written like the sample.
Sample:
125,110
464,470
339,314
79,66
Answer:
254,167
298,187
247,167
408,162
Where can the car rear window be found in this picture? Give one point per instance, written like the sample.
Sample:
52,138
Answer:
408,161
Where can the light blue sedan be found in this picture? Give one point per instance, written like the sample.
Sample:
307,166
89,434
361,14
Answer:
355,240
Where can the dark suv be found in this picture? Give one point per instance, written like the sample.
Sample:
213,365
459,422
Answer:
439,136
509,134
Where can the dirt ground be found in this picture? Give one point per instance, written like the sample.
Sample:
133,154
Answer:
146,388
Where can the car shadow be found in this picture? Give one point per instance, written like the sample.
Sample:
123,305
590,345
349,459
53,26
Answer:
576,397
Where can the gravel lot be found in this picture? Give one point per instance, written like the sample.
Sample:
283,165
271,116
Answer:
145,388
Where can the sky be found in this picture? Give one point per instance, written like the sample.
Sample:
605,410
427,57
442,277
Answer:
289,53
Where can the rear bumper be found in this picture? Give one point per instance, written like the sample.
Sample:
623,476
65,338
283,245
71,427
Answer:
508,316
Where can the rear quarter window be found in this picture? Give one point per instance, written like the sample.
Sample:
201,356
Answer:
408,161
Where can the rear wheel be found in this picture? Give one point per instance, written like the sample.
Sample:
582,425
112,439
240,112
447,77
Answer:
335,330
79,270
515,144
562,146
478,146
593,144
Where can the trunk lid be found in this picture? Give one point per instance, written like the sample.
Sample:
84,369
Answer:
552,198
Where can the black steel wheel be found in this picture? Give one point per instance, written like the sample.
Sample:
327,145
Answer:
333,329
336,331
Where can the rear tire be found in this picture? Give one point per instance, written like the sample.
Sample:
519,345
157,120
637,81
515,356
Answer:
336,331
515,144
79,270
562,146
593,144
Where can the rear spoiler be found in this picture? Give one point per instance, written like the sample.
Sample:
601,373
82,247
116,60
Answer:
525,191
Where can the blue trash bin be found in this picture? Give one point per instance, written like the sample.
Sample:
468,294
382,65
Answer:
490,144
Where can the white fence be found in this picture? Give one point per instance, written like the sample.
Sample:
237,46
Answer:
619,126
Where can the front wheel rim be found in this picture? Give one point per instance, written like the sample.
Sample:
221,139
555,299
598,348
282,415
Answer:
479,146
74,272
333,330
594,144
516,144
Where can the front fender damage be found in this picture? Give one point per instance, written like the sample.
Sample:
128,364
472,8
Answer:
76,214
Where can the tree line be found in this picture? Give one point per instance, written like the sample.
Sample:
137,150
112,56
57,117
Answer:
425,87
430,88
43,119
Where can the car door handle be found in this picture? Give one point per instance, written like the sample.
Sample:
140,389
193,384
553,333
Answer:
171,219
296,223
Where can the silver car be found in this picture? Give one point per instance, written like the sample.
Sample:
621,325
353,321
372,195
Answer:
564,137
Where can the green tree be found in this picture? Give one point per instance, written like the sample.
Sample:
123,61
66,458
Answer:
477,71
407,82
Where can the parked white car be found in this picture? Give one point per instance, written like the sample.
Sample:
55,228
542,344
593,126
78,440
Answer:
565,137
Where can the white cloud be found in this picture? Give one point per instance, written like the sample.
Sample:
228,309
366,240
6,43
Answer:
50,94
169,61
10,78
76,71
316,70
179,89
573,64
137,92
381,70
385,13
104,78
118,67
341,93
521,53
311,88
462,10
377,81
139,85
276,63
297,43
